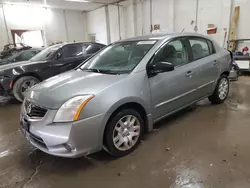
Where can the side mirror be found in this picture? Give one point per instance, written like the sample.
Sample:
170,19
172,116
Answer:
58,55
160,68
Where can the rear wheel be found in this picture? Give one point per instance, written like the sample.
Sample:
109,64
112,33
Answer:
123,132
22,85
221,92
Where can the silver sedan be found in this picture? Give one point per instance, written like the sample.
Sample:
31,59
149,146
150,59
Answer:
111,100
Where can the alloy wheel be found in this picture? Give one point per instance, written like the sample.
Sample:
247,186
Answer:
223,88
27,85
126,132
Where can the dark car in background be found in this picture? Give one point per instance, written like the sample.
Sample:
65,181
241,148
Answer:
17,78
21,56
11,49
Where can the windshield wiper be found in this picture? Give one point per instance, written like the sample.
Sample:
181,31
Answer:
91,70
105,71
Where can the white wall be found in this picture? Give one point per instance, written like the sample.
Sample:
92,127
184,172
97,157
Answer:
135,19
55,26
146,25
96,24
173,16
214,12
163,14
3,33
114,23
184,14
58,25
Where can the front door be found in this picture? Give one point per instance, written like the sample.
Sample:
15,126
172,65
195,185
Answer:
172,90
68,58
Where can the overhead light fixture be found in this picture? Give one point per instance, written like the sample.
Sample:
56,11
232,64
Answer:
80,1
27,4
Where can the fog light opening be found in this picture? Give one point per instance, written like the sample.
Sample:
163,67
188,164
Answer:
69,147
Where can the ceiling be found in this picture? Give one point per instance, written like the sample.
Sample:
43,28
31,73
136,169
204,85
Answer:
84,5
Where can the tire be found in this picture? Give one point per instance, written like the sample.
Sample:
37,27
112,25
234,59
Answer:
111,133
222,87
18,87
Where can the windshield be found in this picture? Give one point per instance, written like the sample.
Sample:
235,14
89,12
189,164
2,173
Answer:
9,58
120,57
46,54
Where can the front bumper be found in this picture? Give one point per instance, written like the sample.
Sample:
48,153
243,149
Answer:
71,140
5,85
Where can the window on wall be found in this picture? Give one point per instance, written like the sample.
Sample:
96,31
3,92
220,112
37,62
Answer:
200,48
30,38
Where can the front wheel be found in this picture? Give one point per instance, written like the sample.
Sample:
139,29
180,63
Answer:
123,132
22,85
221,91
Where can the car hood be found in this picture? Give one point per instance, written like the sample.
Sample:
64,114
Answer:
52,93
7,65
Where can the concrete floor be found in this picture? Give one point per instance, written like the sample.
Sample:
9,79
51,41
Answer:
205,146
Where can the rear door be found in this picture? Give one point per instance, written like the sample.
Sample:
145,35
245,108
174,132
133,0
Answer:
67,58
206,65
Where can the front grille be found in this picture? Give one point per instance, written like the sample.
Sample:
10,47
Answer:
34,111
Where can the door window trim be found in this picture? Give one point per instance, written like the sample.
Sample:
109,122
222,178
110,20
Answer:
53,57
67,46
206,40
181,38
211,51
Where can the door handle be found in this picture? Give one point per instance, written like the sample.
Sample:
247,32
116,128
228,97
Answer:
189,73
215,63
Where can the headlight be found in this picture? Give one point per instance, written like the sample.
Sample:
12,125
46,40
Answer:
72,108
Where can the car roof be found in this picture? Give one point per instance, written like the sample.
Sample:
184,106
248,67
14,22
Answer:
35,49
84,43
162,36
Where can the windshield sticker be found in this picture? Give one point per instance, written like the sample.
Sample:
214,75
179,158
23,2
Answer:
146,42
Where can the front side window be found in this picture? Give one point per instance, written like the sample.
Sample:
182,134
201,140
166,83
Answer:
72,50
120,57
175,52
199,48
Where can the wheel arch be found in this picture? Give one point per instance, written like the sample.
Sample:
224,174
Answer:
25,74
134,104
225,73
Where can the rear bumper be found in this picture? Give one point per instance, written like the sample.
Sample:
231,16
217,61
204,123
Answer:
234,74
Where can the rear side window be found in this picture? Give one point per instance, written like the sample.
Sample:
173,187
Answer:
92,48
199,47
72,50
101,46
